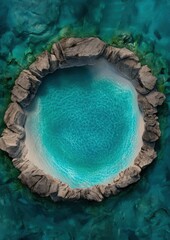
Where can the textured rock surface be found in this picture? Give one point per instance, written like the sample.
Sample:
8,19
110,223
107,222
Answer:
82,48
21,95
12,143
71,52
108,190
146,78
27,81
152,133
127,177
54,63
15,118
124,60
155,98
145,157
145,106
40,68
26,86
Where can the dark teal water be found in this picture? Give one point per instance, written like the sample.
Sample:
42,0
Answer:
28,27
85,125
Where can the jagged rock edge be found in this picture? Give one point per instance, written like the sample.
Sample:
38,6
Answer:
70,52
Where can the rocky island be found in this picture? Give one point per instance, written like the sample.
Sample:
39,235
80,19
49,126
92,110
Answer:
70,52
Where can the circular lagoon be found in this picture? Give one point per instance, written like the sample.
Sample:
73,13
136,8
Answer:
84,126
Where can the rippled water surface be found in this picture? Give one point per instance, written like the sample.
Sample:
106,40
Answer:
84,126
27,28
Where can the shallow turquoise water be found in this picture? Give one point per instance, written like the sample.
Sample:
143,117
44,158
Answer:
85,125
140,213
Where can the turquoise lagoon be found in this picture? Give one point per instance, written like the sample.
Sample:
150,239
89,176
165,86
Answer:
84,126
27,28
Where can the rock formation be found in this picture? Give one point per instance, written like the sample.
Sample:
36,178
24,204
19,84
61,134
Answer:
70,52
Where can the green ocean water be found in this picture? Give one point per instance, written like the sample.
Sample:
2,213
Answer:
26,29
84,125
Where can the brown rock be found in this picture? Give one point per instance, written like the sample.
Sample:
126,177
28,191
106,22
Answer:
62,191
153,128
127,177
155,98
11,143
28,81
54,186
70,42
115,55
108,190
73,194
129,68
86,47
79,52
54,63
58,52
150,136
35,179
145,106
92,194
31,178
124,60
111,54
125,53
101,188
41,67
42,187
141,89
21,95
145,157
26,172
151,119
15,118
21,163
146,78
26,86
152,132
61,61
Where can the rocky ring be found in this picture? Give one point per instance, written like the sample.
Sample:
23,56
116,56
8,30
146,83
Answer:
70,52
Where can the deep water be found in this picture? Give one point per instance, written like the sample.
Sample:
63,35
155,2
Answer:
27,28
84,127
